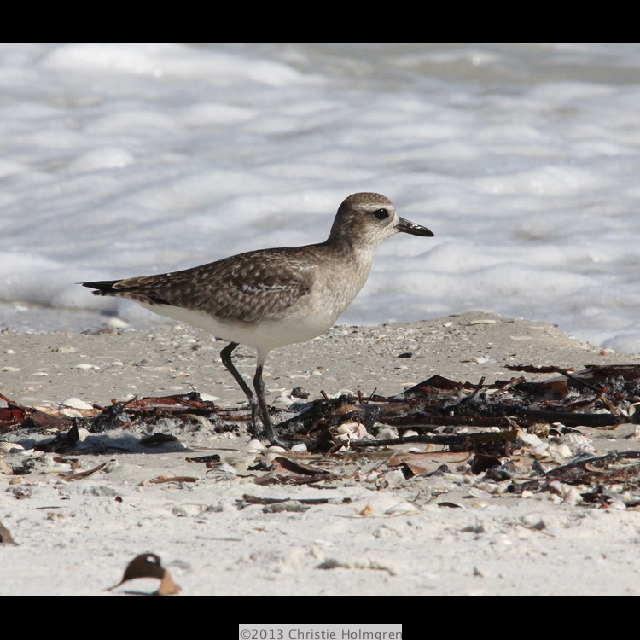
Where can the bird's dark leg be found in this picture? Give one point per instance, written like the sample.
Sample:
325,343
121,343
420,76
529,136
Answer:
225,354
258,385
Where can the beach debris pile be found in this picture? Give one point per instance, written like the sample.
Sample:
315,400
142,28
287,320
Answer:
517,436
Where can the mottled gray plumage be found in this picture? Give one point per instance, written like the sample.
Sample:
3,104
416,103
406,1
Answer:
273,297
248,286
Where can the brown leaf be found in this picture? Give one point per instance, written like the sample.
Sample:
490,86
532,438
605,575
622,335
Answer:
83,474
10,417
182,402
531,368
434,385
289,478
420,464
161,479
248,500
549,389
205,459
285,471
157,440
41,420
450,505
298,467
483,461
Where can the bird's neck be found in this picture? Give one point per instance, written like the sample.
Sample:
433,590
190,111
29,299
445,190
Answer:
350,246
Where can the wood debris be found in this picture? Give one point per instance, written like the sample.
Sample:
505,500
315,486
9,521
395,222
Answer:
514,436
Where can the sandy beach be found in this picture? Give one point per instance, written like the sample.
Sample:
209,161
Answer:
369,536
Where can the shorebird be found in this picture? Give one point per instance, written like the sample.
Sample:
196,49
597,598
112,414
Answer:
272,297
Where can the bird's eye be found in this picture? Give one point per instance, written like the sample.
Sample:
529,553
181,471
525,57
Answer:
381,214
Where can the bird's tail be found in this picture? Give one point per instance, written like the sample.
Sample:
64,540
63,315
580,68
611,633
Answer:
104,288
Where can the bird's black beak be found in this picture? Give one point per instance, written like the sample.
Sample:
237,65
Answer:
405,226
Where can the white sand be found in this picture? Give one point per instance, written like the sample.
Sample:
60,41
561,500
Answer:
77,537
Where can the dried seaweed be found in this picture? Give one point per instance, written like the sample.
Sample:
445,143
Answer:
489,431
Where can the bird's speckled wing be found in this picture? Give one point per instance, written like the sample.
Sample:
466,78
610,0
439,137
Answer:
249,287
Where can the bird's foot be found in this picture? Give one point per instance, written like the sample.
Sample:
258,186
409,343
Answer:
279,442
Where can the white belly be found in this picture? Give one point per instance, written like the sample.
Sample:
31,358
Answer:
262,336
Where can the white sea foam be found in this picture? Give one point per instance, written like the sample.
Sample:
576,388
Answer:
128,159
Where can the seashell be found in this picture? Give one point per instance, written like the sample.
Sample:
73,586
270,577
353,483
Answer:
387,433
283,402
541,451
556,485
76,403
478,492
572,497
71,413
530,439
10,447
66,349
576,438
274,448
225,467
269,458
189,509
402,509
578,443
83,365
366,511
562,450
57,469
255,445
116,323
